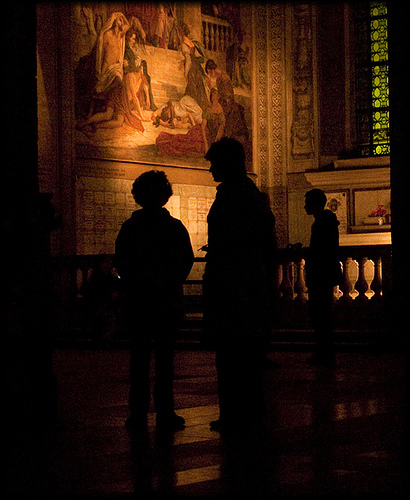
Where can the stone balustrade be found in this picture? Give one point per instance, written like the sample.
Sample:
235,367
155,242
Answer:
88,286
217,34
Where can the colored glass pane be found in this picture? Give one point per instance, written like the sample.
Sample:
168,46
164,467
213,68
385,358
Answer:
378,8
372,77
378,40
380,78
380,86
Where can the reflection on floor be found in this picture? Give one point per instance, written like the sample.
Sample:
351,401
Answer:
329,431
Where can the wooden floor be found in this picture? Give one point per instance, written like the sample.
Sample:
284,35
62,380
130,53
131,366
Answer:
330,432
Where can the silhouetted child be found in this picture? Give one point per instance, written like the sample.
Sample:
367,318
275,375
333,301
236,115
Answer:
153,258
322,273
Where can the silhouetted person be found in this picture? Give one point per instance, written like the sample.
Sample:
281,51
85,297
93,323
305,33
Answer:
322,273
153,258
238,286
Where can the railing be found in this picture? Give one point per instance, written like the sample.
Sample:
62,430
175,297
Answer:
362,269
88,306
359,301
217,33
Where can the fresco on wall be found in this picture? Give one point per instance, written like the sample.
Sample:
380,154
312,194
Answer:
157,83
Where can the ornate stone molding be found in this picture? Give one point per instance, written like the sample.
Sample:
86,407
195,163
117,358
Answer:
276,69
269,98
303,121
260,93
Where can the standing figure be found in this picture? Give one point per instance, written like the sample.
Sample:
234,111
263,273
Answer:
239,286
322,273
135,82
213,122
153,257
110,53
235,125
194,55
218,78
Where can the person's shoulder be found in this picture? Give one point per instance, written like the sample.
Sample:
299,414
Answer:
132,221
177,224
328,218
328,215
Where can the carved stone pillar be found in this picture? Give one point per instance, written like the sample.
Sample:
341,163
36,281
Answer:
269,97
302,81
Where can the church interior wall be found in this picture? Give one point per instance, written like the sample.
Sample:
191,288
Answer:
298,108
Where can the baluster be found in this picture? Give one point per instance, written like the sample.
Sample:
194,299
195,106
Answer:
279,280
211,36
89,273
216,37
286,286
79,281
361,285
222,38
206,35
346,286
376,284
300,286
229,36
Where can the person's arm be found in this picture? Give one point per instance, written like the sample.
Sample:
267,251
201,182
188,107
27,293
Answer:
187,62
220,132
186,254
122,257
191,119
203,127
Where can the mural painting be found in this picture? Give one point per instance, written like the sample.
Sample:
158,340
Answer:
157,83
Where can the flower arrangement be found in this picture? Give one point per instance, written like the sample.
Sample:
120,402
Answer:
380,212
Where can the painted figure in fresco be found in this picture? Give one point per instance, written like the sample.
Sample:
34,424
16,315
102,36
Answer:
84,20
117,112
182,114
135,81
220,79
238,287
119,95
156,20
153,255
194,55
213,123
110,53
199,136
161,26
237,66
113,87
235,124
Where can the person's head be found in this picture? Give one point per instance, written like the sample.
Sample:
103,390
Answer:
227,158
131,37
210,67
152,189
182,31
167,113
315,201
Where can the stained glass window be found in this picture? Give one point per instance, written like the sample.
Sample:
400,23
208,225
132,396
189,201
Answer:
372,78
